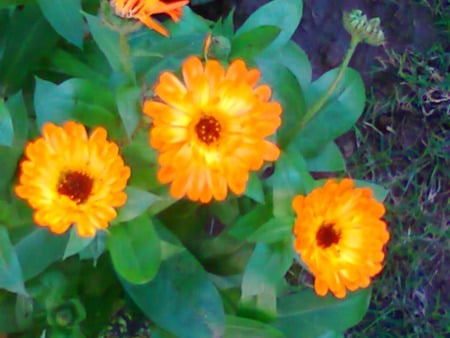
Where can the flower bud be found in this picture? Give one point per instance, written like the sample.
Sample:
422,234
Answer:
359,27
216,47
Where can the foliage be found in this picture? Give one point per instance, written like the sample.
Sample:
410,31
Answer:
215,270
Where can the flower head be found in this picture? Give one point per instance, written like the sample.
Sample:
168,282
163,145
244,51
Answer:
340,236
210,128
143,10
70,178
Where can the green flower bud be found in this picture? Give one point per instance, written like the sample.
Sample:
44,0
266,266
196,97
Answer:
216,47
67,314
360,28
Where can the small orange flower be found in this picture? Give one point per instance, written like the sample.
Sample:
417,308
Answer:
143,10
340,236
210,129
70,178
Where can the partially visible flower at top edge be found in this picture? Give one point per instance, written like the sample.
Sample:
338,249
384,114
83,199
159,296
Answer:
143,10
369,31
210,128
340,236
69,177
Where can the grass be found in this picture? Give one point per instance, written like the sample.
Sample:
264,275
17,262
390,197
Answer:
403,143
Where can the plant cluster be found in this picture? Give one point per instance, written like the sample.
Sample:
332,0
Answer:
169,168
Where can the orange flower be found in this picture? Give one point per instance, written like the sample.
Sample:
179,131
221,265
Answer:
143,10
340,236
210,129
70,178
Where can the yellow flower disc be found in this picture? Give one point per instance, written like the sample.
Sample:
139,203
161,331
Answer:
69,177
143,10
210,128
340,236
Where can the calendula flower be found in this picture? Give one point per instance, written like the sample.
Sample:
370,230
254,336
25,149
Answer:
69,177
143,10
340,236
210,128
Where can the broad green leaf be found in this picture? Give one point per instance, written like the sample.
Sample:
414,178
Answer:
329,159
264,272
254,188
287,91
337,116
19,118
274,230
190,23
76,243
239,327
192,306
8,164
291,178
29,37
293,58
107,40
250,222
6,125
249,44
8,3
96,248
65,17
135,250
11,278
285,14
128,103
67,63
138,201
317,315
380,193
38,250
78,99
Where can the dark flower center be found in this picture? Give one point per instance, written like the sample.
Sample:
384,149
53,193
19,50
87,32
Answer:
208,129
327,236
75,185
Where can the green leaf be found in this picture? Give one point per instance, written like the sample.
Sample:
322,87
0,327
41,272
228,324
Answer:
19,118
138,201
274,230
291,178
287,91
6,125
285,14
65,17
135,250
192,306
254,188
238,327
249,44
190,23
225,26
107,40
380,193
317,315
38,250
76,243
338,115
248,223
27,40
15,313
67,63
8,164
96,248
79,99
264,272
329,159
293,58
128,103
10,272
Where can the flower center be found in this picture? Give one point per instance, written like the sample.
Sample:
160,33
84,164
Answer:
75,185
208,129
327,236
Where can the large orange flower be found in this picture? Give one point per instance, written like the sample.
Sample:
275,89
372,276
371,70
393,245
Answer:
70,178
340,236
210,129
143,10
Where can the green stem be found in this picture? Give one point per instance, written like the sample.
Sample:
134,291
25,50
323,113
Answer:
125,49
310,113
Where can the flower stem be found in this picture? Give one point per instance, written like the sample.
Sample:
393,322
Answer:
125,49
310,113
